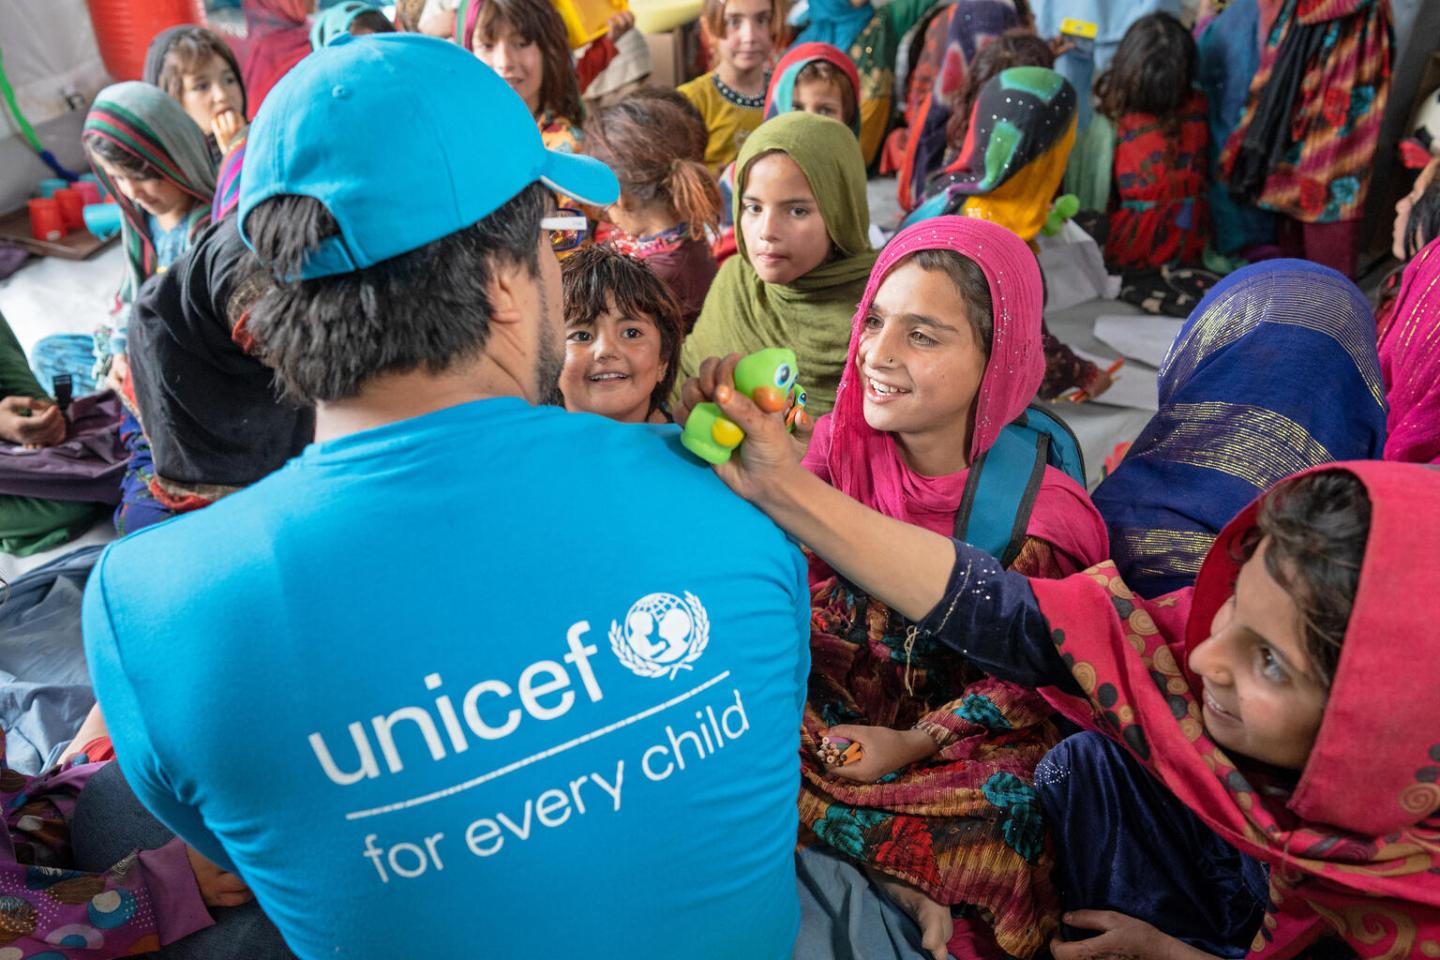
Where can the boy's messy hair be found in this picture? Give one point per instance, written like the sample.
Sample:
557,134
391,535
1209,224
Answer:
1013,48
1317,526
189,48
823,71
712,20
599,276
1153,70
655,143
538,22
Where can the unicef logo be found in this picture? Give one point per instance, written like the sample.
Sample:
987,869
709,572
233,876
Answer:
661,634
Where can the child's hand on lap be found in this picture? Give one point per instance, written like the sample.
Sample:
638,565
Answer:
883,750
1121,937
32,423
227,127
218,888
621,24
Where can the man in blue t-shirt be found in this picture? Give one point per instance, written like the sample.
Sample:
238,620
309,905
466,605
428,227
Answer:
471,676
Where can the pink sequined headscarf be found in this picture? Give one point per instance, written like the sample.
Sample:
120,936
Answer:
867,463
1410,362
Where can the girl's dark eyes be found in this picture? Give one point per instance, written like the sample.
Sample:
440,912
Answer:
1269,666
579,336
921,339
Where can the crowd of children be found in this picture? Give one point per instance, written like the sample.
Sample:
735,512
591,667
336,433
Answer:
1155,720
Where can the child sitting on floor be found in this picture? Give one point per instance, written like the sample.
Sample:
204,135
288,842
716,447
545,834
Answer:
945,353
1152,130
622,337
1261,779
742,35
668,199
152,157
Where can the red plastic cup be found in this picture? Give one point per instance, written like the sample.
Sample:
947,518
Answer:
89,191
72,206
46,222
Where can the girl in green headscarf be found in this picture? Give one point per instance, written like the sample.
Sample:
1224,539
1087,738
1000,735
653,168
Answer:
803,224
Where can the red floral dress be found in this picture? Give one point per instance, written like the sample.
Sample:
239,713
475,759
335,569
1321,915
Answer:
1161,177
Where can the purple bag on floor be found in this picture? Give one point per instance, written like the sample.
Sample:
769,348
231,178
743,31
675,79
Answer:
86,467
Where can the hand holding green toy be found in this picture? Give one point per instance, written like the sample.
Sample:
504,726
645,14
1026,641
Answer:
768,378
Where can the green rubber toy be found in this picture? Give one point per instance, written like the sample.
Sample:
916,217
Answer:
765,376
1064,208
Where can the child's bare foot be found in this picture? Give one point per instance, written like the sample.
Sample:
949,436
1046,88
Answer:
934,920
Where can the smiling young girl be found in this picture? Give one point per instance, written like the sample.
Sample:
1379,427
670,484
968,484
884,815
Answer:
622,337
804,253
945,353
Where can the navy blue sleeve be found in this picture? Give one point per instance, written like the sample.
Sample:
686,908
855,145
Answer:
991,617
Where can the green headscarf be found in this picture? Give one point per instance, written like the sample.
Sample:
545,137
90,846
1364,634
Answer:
812,315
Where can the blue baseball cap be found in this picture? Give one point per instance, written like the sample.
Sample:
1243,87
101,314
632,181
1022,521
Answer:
405,139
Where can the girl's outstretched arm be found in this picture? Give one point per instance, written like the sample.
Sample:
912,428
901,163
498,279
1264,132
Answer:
955,592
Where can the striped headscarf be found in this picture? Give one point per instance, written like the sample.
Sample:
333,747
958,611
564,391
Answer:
1274,372
156,131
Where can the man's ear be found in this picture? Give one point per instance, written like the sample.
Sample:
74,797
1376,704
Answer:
509,283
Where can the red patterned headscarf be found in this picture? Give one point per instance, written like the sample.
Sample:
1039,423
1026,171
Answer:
1354,848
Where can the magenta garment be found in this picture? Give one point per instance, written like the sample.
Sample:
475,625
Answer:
278,37
1410,362
146,900
867,464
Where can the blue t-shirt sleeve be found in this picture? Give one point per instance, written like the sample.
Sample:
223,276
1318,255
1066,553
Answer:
802,628
129,731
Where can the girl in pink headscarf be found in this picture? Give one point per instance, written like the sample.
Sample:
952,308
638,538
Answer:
938,802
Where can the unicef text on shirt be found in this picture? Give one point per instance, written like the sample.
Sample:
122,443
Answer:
544,690
662,634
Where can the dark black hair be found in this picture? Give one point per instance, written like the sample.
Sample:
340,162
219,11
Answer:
372,20
1153,70
426,308
596,275
1317,526
970,283
118,157
1424,223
